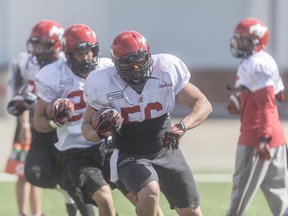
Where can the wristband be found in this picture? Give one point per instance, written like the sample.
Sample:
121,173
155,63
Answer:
25,125
54,124
182,126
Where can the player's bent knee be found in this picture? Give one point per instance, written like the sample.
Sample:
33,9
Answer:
189,211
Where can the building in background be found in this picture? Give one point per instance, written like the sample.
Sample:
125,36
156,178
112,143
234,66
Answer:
198,31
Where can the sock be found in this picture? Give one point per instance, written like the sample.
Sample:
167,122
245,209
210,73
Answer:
71,209
85,209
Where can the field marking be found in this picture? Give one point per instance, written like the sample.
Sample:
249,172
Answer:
213,178
202,178
5,177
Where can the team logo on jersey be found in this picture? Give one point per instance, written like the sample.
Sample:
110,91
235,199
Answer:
115,95
130,159
166,85
65,83
140,99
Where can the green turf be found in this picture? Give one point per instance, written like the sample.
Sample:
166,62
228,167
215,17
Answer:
215,198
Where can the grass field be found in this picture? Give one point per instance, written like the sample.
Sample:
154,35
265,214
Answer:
215,198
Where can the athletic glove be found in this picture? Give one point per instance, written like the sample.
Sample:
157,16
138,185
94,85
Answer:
63,111
16,107
173,136
106,121
263,151
20,102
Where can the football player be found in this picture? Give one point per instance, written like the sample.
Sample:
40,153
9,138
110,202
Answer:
41,166
59,83
261,151
142,89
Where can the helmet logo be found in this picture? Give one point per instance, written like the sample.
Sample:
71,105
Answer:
258,30
56,31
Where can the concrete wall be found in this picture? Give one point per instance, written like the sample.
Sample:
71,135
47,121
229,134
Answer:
197,31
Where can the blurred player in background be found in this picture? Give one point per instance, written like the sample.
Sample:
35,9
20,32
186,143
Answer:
261,157
25,192
142,88
60,86
41,165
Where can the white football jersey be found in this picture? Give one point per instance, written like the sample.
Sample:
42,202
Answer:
105,88
26,65
259,71
58,81
21,69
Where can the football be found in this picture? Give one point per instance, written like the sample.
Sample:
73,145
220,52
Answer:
16,107
55,107
233,104
105,121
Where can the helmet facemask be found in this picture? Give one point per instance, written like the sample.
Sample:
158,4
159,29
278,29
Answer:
43,50
135,68
84,66
242,47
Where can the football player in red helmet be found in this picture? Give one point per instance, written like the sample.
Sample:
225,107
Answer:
79,39
143,89
42,169
131,55
250,35
45,41
83,159
261,147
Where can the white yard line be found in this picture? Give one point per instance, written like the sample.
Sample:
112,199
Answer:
4,177
213,178
203,178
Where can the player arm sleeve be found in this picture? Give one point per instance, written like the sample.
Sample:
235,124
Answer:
182,76
15,80
45,92
91,97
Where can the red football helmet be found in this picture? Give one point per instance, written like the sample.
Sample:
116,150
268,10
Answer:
45,41
80,37
250,36
131,55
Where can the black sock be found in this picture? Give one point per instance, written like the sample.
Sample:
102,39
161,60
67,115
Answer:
85,209
71,209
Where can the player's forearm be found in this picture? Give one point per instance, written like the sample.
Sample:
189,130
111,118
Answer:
89,133
199,112
25,118
42,124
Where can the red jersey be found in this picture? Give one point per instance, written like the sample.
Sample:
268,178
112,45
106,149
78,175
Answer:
258,77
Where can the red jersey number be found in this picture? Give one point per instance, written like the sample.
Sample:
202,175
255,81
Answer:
147,111
77,96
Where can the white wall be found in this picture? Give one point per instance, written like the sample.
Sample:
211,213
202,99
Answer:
198,31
